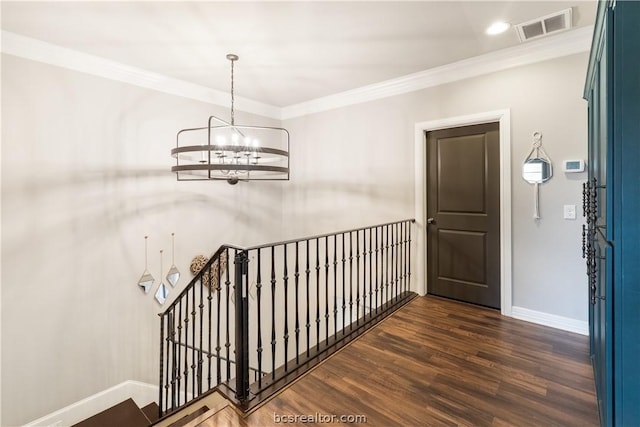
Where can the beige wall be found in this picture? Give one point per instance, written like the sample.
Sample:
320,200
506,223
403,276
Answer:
85,176
84,179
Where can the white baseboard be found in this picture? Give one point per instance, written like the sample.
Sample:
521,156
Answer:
141,393
552,320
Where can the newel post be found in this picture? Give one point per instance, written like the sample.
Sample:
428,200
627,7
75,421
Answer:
242,326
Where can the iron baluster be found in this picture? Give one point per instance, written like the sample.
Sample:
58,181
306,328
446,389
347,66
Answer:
397,249
402,254
164,405
186,349
179,366
241,261
398,259
350,281
259,314
409,258
273,313
285,280
326,288
404,257
193,341
161,388
391,256
383,256
297,284
386,274
307,325
390,266
318,294
174,368
371,304
364,274
218,310
357,278
335,287
227,344
201,348
344,268
377,271
210,314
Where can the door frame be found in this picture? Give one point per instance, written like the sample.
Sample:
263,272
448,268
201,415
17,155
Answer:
421,128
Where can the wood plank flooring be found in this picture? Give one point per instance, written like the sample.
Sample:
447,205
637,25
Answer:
442,363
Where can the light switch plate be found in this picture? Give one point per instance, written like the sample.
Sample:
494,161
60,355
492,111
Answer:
569,211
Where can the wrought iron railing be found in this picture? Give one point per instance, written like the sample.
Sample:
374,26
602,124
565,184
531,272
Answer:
278,309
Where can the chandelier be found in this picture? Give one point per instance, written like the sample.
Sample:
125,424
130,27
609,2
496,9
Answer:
227,151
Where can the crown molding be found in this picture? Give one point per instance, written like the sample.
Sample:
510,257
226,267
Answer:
563,44
37,50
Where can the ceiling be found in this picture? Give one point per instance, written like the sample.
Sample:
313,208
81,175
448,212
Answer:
290,52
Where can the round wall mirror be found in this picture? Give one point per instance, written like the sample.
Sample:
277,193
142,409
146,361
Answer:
536,170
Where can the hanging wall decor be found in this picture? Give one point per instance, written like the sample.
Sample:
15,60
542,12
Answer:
174,274
146,280
197,263
537,170
218,268
162,292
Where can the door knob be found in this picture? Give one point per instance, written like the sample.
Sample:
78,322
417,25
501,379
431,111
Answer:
431,221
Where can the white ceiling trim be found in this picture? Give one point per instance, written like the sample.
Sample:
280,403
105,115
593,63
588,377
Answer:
566,43
563,44
37,50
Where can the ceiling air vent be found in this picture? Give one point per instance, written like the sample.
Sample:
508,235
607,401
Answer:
546,25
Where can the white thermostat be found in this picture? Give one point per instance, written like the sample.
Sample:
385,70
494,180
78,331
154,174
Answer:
573,166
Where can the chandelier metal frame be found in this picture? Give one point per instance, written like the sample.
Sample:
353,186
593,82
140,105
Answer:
231,153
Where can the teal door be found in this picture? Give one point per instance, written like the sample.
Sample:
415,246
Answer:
600,237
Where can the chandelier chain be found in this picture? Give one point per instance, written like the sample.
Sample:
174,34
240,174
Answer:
232,96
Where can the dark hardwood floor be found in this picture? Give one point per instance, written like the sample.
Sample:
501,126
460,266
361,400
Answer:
442,363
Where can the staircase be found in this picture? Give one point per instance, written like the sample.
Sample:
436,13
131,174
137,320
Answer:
255,319
128,414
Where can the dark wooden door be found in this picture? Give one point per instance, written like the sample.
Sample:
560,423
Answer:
463,207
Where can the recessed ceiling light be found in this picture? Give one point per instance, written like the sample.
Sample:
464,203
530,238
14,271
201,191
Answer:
498,27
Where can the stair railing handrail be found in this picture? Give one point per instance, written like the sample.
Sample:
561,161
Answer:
224,247
237,281
320,236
